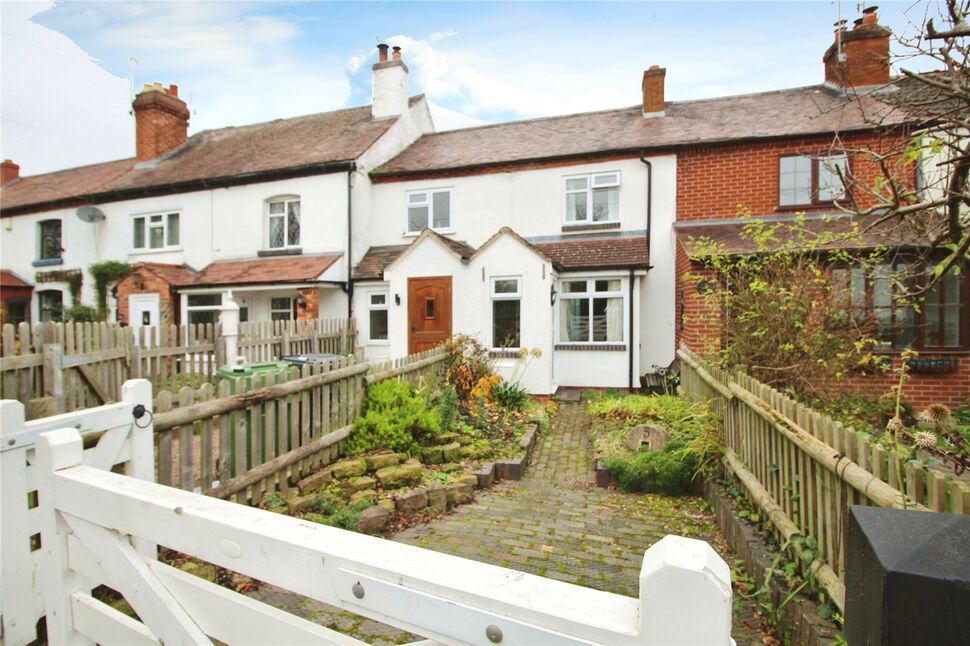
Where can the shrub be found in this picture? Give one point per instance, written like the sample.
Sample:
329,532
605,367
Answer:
467,364
81,314
483,388
394,417
510,395
447,407
668,471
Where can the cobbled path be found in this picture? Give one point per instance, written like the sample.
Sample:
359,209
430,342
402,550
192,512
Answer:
553,523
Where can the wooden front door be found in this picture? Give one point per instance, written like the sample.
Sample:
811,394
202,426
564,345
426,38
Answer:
429,312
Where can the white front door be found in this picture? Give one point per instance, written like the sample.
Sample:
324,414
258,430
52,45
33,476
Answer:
143,310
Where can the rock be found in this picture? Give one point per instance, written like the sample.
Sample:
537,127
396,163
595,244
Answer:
373,520
205,571
362,482
464,440
414,500
388,504
448,467
511,469
367,494
315,481
475,452
437,497
468,479
485,475
431,454
653,437
348,469
381,460
447,437
400,475
528,438
298,503
451,452
459,493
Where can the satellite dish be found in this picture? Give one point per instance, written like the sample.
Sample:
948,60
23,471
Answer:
90,214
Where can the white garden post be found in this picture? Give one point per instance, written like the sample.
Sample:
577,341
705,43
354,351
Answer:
58,450
229,318
141,463
685,594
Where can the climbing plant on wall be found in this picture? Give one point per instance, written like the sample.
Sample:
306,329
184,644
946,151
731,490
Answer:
105,273
73,277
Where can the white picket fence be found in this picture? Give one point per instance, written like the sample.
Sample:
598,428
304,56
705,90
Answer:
97,526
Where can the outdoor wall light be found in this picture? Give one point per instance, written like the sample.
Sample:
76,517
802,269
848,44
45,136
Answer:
301,301
397,299
552,294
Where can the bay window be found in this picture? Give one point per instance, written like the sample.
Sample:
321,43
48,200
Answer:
506,296
591,311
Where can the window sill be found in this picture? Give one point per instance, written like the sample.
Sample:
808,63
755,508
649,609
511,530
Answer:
591,347
285,251
791,208
415,234
925,353
140,252
598,226
47,262
503,354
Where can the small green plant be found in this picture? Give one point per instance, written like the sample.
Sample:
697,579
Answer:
441,477
273,500
81,314
668,471
447,407
394,417
510,395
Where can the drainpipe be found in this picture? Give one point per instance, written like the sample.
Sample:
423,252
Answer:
350,238
649,167
630,353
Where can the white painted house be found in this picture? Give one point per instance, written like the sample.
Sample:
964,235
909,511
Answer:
263,210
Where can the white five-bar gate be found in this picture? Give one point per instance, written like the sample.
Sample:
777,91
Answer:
96,526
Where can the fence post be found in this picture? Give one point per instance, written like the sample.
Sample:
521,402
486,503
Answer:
54,374
141,464
685,594
229,320
57,450
16,585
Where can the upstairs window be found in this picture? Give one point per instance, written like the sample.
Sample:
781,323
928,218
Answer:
283,223
591,199
429,209
155,231
506,312
49,240
811,181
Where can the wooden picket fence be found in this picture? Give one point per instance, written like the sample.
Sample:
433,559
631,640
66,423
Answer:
81,365
805,469
245,438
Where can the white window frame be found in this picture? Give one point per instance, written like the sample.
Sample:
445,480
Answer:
504,296
590,187
286,200
147,226
589,295
428,202
386,293
187,309
289,312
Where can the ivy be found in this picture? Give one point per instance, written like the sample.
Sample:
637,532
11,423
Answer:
73,277
105,273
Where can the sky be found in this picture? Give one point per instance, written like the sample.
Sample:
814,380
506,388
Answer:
65,65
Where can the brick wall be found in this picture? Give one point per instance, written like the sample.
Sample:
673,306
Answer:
161,122
144,281
311,296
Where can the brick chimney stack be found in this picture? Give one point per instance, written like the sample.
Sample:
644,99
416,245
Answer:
390,84
9,171
653,91
161,121
859,57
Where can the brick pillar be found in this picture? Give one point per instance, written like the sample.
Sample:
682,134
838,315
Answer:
311,298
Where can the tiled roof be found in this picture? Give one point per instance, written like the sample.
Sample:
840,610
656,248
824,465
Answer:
597,252
837,231
237,152
372,265
782,113
172,274
285,269
10,279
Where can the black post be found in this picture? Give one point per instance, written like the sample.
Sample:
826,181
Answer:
907,578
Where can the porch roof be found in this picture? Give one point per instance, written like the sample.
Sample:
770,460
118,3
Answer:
822,232
285,269
10,279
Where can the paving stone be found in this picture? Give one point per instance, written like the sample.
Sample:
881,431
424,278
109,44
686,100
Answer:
315,481
468,479
414,500
437,497
373,520
459,493
381,460
348,469
298,503
400,475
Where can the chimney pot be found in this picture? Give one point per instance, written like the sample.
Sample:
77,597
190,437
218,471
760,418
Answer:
397,53
857,23
869,16
161,121
859,57
382,53
9,171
